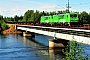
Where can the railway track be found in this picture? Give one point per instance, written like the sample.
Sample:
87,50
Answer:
83,26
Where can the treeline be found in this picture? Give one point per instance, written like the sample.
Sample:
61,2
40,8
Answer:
31,16
34,16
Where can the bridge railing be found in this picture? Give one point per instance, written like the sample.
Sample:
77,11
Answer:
78,32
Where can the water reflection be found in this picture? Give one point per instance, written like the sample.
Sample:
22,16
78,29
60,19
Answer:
53,54
34,49
44,51
16,47
56,54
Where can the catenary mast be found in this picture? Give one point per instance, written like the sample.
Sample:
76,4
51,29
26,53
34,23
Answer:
68,6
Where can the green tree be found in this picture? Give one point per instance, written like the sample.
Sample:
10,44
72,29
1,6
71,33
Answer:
36,16
53,13
16,18
3,25
43,13
20,19
83,17
89,18
60,12
73,51
1,17
29,16
9,19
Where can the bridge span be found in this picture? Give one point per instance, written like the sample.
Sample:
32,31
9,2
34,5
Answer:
80,35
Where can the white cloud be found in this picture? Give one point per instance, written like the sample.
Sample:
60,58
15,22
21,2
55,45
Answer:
20,9
47,7
11,12
51,7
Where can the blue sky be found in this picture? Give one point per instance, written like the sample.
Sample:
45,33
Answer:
11,8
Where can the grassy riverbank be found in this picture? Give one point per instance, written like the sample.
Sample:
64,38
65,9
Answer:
11,30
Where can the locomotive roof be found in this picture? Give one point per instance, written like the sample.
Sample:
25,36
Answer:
45,16
59,15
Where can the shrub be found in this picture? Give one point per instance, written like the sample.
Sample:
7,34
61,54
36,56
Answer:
73,51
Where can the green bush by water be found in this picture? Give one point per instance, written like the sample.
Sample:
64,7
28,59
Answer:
73,51
3,25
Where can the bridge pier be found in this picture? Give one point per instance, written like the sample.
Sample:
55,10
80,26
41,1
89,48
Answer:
55,43
29,34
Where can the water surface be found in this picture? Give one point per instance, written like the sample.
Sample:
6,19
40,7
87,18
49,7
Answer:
16,47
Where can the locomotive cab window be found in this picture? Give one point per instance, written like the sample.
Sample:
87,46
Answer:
73,15
46,18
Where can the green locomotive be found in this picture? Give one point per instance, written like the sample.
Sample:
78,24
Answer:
63,19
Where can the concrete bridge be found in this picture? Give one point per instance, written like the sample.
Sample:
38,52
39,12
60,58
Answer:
80,35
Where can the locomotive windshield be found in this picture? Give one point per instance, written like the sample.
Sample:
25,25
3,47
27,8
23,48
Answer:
73,15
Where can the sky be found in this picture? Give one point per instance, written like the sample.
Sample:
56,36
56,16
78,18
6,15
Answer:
10,8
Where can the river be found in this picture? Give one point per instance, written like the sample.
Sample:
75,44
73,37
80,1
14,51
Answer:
17,47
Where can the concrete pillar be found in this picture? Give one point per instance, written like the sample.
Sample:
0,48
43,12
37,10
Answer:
51,43
26,34
54,43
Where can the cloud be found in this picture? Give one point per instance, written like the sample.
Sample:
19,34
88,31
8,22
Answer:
51,7
47,6
11,12
19,7
22,6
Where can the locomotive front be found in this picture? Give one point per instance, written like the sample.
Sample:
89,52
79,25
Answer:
73,18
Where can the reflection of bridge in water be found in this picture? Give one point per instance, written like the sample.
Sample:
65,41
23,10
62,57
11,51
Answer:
42,50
